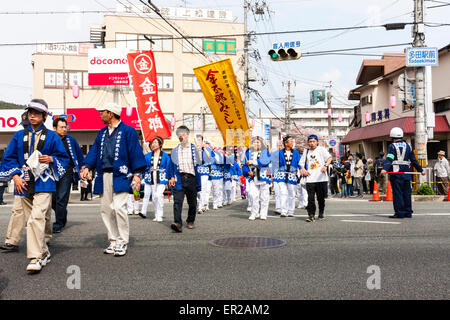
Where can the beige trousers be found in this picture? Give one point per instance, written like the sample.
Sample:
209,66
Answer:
18,220
114,212
36,211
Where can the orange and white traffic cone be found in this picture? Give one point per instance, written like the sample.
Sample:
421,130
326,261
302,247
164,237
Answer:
389,196
376,194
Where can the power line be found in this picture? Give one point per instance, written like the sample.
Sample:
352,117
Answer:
51,12
223,35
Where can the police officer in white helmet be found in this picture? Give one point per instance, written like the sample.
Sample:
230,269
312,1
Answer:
399,158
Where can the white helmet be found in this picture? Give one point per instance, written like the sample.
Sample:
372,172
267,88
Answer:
396,132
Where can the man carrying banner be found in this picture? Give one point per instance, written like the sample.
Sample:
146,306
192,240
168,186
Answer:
35,159
119,161
184,178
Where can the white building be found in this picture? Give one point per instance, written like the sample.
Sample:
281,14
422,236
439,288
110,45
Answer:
316,117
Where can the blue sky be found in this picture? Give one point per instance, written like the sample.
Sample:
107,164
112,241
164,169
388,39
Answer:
286,15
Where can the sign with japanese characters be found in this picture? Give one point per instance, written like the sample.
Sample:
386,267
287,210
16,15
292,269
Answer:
143,72
108,67
422,57
286,45
219,86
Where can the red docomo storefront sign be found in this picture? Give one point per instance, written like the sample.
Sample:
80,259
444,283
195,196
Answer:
89,118
108,67
10,120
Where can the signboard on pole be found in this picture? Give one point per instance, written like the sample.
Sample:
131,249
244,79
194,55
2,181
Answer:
422,57
108,67
143,71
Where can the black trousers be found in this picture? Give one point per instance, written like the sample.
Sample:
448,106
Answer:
334,186
189,188
313,189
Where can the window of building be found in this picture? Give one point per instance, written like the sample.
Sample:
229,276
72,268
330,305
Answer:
442,106
192,121
60,79
49,79
144,44
86,81
190,83
165,82
192,44
161,44
210,123
127,41
75,77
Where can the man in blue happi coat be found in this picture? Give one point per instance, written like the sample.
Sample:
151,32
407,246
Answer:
35,160
119,161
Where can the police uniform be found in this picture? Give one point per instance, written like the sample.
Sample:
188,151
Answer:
399,159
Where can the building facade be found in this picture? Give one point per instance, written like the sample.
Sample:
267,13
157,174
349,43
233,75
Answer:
180,96
382,107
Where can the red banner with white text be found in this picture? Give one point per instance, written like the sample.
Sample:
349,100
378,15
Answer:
143,73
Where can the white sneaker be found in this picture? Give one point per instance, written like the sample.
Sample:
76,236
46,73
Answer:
120,250
263,218
249,209
214,208
136,212
36,265
277,211
109,250
290,214
130,213
206,209
252,217
283,214
220,206
158,219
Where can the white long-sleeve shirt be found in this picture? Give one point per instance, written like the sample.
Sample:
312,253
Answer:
442,168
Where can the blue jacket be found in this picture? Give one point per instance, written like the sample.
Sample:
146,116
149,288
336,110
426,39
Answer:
203,169
392,157
217,169
13,161
128,158
175,169
263,165
76,154
236,171
165,165
279,166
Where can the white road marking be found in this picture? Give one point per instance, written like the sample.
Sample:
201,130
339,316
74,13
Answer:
383,222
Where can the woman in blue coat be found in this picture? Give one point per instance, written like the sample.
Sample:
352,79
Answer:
156,179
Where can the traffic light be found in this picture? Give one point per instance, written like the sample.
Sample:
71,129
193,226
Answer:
282,54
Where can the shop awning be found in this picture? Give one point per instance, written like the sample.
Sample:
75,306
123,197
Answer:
383,129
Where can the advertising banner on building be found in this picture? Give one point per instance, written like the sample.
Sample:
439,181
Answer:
108,67
219,86
89,118
143,71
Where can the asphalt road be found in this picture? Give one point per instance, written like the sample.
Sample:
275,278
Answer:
321,260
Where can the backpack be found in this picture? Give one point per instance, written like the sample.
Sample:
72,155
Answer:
380,164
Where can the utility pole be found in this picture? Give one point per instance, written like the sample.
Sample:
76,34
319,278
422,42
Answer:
419,112
246,42
64,84
329,112
287,107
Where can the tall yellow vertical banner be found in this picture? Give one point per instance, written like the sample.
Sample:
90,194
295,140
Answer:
219,86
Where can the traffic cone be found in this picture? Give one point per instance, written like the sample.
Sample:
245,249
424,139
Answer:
448,196
389,196
376,194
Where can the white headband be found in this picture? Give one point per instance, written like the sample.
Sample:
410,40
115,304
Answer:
39,106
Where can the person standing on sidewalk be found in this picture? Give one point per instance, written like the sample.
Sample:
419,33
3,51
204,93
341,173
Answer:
359,174
314,165
442,170
35,159
380,178
117,157
60,198
185,179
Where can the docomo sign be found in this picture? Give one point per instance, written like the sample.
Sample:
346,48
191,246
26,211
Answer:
108,67
10,120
